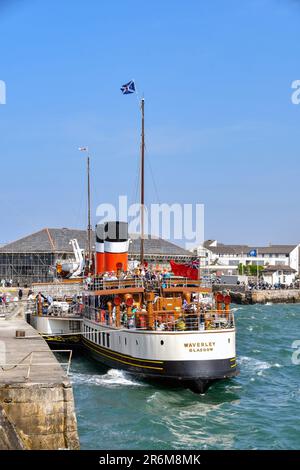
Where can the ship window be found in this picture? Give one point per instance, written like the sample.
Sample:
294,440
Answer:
108,340
125,341
137,343
74,326
162,342
228,340
103,339
119,339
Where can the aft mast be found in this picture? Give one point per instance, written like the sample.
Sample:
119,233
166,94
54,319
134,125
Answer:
89,228
142,180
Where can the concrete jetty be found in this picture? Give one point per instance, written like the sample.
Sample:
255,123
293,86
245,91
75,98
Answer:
36,398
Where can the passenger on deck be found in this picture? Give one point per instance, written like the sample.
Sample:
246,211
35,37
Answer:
180,324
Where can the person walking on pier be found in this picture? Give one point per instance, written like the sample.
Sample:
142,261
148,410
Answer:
20,294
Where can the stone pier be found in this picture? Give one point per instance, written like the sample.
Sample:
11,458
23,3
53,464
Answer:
36,412
264,296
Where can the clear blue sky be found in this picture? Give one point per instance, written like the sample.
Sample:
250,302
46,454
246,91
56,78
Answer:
221,128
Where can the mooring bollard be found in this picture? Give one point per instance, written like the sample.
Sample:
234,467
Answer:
20,333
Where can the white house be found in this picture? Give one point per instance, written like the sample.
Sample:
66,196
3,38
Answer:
227,258
279,275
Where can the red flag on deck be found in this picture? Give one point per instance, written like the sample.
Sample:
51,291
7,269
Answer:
184,270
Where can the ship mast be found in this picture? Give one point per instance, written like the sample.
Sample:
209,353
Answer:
89,227
142,180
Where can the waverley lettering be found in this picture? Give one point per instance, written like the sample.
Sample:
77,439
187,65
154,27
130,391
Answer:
200,347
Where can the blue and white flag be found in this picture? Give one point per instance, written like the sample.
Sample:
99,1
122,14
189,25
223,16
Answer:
252,253
128,88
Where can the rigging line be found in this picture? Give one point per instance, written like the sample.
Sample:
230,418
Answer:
152,174
134,191
81,212
137,184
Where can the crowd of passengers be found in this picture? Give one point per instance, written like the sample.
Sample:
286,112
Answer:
151,279
193,316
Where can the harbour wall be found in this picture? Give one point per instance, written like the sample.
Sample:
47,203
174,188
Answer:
265,296
37,410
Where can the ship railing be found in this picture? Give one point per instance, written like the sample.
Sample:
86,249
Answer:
106,284
185,282
172,320
57,311
139,282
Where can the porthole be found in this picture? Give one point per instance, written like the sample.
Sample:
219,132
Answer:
162,342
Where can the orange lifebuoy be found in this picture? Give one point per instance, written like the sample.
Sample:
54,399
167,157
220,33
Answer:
142,320
129,301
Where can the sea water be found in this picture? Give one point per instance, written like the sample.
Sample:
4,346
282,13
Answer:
259,409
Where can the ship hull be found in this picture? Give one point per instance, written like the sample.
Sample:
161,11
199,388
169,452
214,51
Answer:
197,375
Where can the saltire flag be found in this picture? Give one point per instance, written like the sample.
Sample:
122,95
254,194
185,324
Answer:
252,253
128,88
184,270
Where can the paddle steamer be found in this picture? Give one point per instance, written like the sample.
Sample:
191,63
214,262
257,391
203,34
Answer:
171,329
154,328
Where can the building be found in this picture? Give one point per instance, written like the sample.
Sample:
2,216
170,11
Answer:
33,258
217,256
280,274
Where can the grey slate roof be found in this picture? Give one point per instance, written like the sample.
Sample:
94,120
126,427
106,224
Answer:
279,267
222,249
230,249
56,240
158,246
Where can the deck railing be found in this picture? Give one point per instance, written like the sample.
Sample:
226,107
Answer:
172,320
103,284
143,282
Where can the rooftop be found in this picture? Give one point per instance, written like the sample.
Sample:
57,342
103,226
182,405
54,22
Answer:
223,249
279,267
56,240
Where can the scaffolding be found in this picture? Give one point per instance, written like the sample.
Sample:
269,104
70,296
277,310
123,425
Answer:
25,268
